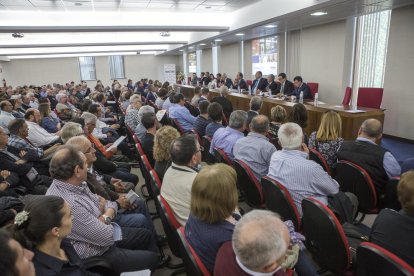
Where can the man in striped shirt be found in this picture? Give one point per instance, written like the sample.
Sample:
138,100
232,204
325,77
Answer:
302,177
93,232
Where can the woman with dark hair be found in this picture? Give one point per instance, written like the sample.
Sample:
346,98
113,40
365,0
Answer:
43,226
14,260
52,125
299,115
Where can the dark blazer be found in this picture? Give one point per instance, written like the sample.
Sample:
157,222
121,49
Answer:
287,88
273,87
250,115
225,104
242,84
306,92
228,83
261,86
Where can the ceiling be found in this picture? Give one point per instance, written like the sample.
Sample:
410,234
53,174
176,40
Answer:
124,5
97,27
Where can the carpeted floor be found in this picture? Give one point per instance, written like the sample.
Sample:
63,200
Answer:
400,150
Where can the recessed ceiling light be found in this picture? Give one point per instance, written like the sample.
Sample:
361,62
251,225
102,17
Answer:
208,7
270,26
240,34
319,13
218,39
181,50
202,44
191,47
78,4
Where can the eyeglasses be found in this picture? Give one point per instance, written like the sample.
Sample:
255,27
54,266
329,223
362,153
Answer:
91,149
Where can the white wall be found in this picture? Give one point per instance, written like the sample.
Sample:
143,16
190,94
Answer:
207,61
322,59
398,96
62,70
229,61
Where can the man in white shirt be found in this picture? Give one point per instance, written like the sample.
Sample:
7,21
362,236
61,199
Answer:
6,115
38,136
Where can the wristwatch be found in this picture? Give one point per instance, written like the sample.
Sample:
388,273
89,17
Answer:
107,219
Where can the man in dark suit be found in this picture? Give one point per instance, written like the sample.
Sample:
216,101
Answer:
226,81
284,87
204,79
239,82
225,103
256,103
259,84
271,84
300,86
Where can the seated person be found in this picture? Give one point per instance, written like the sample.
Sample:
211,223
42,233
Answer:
278,116
299,115
47,121
304,178
215,113
239,83
211,221
162,96
223,101
132,117
380,164
300,86
64,112
285,87
327,140
259,84
205,92
225,138
140,130
94,233
178,179
255,104
42,227
6,115
271,84
148,120
180,113
202,120
261,232
102,131
38,136
7,181
14,259
393,230
162,144
255,149
197,95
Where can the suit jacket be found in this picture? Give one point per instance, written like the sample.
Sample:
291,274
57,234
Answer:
225,104
250,115
272,87
261,86
287,88
242,84
306,92
228,83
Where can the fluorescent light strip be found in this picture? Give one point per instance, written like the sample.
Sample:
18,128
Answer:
86,55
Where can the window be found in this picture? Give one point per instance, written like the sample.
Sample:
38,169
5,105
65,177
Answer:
265,55
374,29
192,63
116,67
87,68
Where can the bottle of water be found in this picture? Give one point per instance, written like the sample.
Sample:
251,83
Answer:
250,90
301,97
316,100
238,89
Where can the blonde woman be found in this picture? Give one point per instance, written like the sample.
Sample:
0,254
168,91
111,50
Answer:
162,143
327,140
278,116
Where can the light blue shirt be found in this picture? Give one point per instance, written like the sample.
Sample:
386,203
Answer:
183,115
302,177
256,150
391,165
5,118
225,138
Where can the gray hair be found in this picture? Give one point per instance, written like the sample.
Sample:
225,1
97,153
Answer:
237,119
258,239
372,128
135,98
89,117
290,136
60,95
69,130
145,109
224,90
256,103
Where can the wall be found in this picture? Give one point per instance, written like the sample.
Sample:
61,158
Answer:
322,59
398,96
229,61
62,70
207,61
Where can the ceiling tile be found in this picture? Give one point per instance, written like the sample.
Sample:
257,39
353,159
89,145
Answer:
43,3
23,3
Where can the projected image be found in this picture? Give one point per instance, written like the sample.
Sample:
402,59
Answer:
192,63
265,55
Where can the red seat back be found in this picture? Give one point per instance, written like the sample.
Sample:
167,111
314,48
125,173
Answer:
170,225
249,82
347,96
249,186
176,124
318,158
222,157
313,87
370,97
375,260
197,136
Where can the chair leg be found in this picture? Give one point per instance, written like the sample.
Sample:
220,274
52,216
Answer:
144,188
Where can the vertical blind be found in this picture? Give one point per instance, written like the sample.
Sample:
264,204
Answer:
87,68
116,67
373,35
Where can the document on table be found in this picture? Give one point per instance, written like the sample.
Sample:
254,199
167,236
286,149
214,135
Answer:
116,143
355,111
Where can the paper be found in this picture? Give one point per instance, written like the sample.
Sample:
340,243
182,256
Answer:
160,114
116,143
355,111
132,196
145,272
110,102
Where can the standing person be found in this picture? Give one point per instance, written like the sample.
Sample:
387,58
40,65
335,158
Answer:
327,140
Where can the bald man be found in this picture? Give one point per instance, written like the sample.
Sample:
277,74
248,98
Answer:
261,234
380,164
393,230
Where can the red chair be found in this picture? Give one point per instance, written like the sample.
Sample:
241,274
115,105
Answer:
347,96
176,124
197,136
279,200
372,259
370,97
250,187
139,149
222,157
206,156
225,121
193,264
316,156
313,87
353,178
325,237
249,82
155,184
